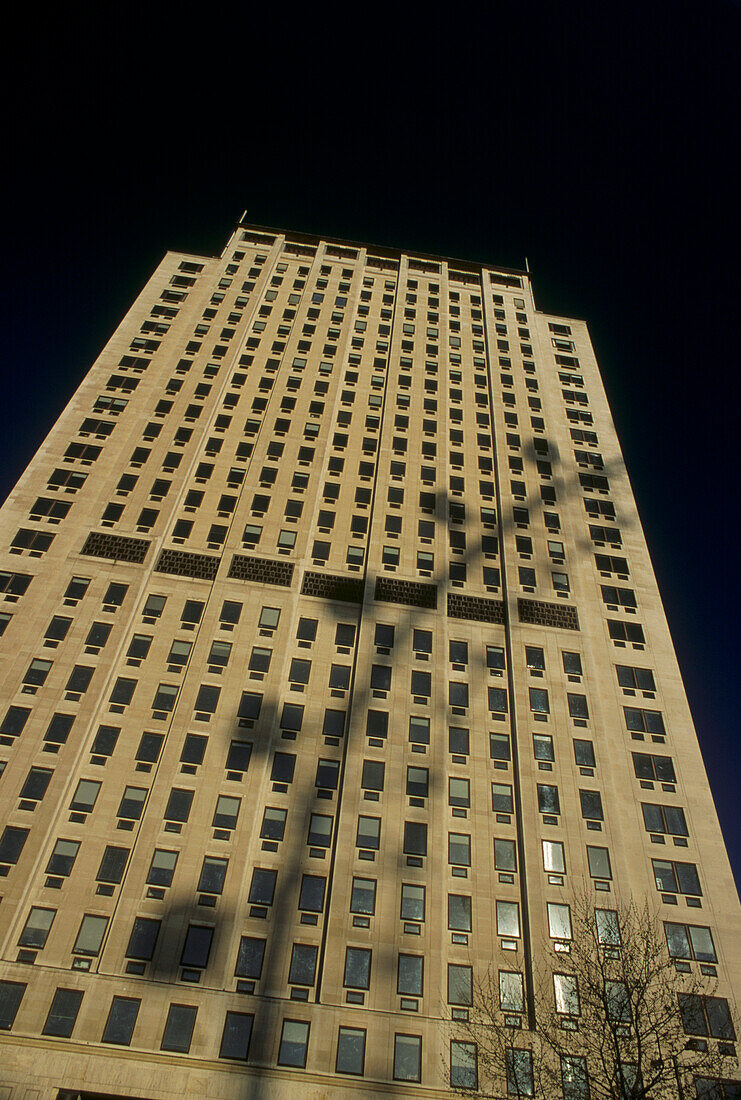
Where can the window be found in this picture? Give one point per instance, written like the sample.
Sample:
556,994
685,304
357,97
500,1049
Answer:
644,721
599,862
690,941
497,700
559,921
373,775
262,887
250,957
417,782
577,706
37,927
706,1016
238,757
458,740
617,1002
143,938
410,975
213,873
36,783
608,927
412,902
162,867
311,897
207,699
294,1043
641,679
121,1021
460,985
165,696
539,700
11,843
380,677
357,968
554,859
179,804
11,995
508,918
415,838
626,631
664,819
235,1039
407,1057
543,747
90,936
112,864
584,754
300,671
419,730
219,654
713,1089
179,1026
179,653
574,1078
459,792
656,768
505,855
676,878
566,991
501,798
363,898
511,991
350,1051
85,796
62,1015
369,832
519,1067
14,721
57,628
548,800
62,858
320,831
37,672
591,805
459,912
197,946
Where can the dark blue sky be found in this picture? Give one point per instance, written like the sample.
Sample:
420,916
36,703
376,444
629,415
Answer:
601,144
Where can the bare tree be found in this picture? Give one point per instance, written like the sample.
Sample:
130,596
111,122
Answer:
613,1016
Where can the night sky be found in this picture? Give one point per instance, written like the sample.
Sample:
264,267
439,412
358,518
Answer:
599,141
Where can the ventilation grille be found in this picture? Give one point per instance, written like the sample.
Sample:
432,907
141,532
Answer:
548,614
327,587
412,593
116,547
202,567
476,608
261,570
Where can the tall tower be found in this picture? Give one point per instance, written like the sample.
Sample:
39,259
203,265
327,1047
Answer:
333,669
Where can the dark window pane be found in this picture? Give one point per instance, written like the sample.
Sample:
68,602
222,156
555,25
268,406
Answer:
311,898
250,957
235,1040
197,946
121,1020
11,995
303,964
179,1026
113,864
143,938
262,887
63,1013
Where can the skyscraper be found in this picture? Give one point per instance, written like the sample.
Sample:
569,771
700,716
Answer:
333,670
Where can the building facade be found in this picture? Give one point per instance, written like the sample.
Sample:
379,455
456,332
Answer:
333,667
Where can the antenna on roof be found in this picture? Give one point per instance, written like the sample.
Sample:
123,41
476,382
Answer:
527,264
